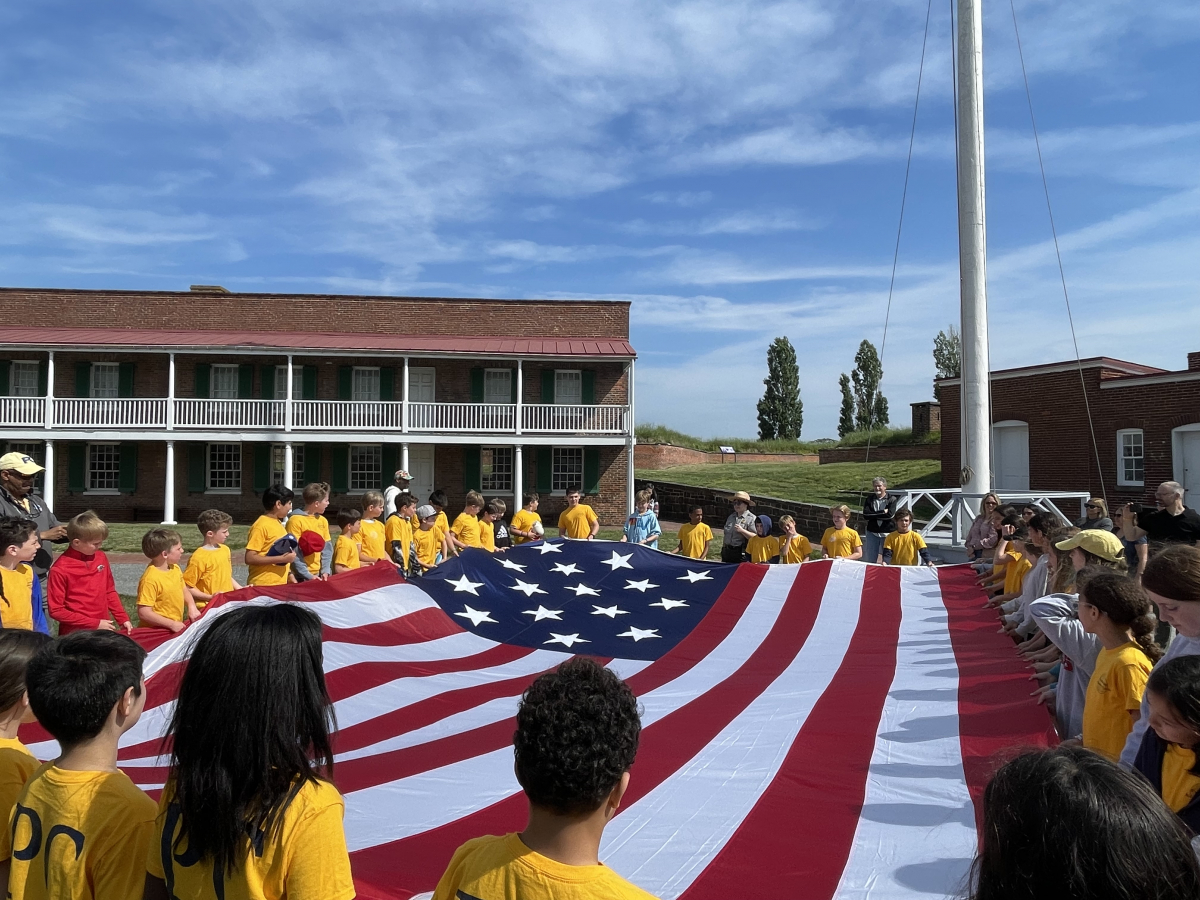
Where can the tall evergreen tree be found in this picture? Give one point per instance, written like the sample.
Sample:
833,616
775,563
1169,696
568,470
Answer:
870,407
947,357
780,411
846,419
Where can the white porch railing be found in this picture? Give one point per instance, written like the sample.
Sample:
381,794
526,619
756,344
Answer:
467,417
229,414
346,414
135,412
590,419
22,410
954,511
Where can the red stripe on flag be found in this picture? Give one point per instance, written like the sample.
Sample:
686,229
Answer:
350,680
414,628
995,711
801,829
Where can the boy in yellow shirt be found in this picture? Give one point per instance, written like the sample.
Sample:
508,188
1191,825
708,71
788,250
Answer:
438,501
210,569
794,548
762,547
81,828
266,530
20,588
522,526
312,518
398,530
346,552
695,535
578,520
429,544
904,546
575,779
493,512
17,648
163,598
372,536
840,541
465,530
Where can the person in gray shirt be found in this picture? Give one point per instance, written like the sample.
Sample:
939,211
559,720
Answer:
17,500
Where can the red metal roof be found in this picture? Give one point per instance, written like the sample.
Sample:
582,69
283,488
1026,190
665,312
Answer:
314,341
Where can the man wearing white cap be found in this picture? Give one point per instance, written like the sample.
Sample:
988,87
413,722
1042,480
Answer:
399,485
17,500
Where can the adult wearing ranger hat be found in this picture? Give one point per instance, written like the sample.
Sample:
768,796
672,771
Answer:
739,528
17,471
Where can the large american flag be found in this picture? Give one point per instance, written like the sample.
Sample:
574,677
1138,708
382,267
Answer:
816,731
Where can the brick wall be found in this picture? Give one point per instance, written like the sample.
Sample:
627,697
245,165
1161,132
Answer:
664,456
880,454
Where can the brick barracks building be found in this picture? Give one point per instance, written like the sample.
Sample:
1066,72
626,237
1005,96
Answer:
1147,424
152,406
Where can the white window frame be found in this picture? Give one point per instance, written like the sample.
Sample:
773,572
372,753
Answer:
362,474
1121,457
492,377
491,459
108,371
225,371
556,475
89,488
281,382
34,450
414,374
364,384
21,370
278,452
208,469
563,377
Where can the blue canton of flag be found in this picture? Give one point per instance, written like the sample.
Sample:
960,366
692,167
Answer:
602,598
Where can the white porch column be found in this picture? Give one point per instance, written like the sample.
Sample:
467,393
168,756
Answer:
520,399
170,391
630,439
48,476
48,413
287,463
287,418
404,414
169,486
518,476
404,456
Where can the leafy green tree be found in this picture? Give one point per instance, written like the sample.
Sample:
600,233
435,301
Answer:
780,411
947,357
846,419
870,406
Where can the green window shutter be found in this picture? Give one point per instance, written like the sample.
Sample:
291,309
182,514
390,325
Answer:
125,379
203,386
127,478
245,382
476,385
262,466
339,464
387,386
591,470
472,472
345,382
76,468
268,382
43,379
308,383
312,463
512,379
5,366
547,385
197,468
83,379
545,468
389,462
588,388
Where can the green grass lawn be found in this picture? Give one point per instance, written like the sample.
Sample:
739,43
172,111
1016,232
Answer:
123,538
805,482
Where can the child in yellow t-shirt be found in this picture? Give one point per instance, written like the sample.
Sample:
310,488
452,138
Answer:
429,544
95,825
557,856
578,520
163,598
903,547
1167,755
840,541
266,530
17,648
312,518
227,768
346,550
372,536
465,530
694,535
398,530
491,513
762,547
438,501
1117,611
210,570
20,588
794,548
526,524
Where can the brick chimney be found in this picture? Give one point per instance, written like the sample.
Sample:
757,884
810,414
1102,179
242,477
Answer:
926,417
1194,362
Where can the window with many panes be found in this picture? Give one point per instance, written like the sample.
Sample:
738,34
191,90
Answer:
104,468
106,380
1131,457
23,380
568,386
364,383
496,469
225,467
281,382
223,383
34,451
567,469
497,385
366,466
278,458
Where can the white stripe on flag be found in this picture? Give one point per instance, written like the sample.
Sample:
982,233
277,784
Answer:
916,835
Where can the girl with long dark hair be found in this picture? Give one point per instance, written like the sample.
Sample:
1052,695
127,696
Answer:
248,809
1167,756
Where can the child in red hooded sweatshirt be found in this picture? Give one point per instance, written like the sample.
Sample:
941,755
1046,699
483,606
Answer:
80,590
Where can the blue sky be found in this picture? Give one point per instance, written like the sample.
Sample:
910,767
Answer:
733,168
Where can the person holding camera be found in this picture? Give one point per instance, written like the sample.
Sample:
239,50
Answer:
1171,523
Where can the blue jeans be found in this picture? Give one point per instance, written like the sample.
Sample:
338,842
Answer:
872,546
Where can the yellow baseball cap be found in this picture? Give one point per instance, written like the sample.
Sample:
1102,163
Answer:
19,462
1103,544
